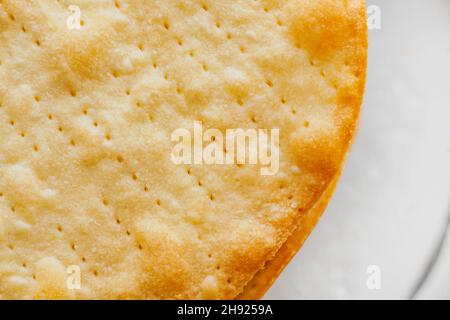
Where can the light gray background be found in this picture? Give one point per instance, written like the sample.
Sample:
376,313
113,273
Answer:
392,205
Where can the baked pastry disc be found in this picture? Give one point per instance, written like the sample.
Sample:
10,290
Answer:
95,199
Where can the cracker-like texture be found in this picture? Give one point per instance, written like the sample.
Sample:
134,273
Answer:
86,117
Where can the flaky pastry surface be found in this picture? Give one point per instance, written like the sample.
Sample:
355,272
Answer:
86,117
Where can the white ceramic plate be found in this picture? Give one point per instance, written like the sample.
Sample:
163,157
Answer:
392,205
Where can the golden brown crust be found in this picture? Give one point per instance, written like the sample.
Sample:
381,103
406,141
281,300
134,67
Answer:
264,279
354,36
85,122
